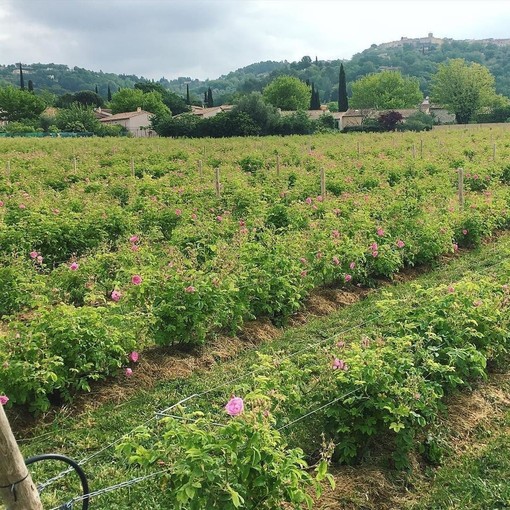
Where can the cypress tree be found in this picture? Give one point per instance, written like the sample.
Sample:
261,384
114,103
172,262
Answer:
312,98
187,94
317,100
343,103
205,99
109,93
30,86
210,101
96,90
21,80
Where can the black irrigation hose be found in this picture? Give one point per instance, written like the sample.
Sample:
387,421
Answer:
73,464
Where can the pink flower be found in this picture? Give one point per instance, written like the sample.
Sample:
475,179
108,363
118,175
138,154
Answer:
339,364
374,246
303,274
335,234
22,206
319,255
194,216
40,259
336,211
478,302
340,344
116,295
33,254
465,232
4,399
1,203
134,239
56,211
336,261
219,219
320,198
451,290
242,223
348,277
375,253
136,279
352,265
455,247
134,357
74,266
190,289
308,200
235,406
135,247
365,342
128,372
380,232
178,212
400,243
303,260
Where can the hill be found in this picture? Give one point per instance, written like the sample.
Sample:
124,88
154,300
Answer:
418,57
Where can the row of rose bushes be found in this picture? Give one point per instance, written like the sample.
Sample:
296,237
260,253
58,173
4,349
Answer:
384,384
165,299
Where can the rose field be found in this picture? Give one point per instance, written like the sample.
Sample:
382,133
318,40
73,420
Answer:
113,250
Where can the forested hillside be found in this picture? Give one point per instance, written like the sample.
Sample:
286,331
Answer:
411,59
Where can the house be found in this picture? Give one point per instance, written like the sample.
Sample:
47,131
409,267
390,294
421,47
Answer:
441,115
317,114
102,113
353,117
137,123
206,113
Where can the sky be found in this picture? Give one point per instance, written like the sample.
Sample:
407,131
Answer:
208,38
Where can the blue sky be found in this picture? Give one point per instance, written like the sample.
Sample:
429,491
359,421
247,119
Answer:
208,38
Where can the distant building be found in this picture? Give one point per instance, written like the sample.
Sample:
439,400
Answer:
206,113
137,123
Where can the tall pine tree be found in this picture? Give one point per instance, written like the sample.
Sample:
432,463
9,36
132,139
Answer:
210,101
96,90
109,96
187,94
343,103
312,98
30,86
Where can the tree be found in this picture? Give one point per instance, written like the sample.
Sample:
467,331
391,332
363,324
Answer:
210,101
109,96
175,103
87,98
343,103
463,88
263,115
128,100
21,80
188,100
17,104
30,86
77,119
389,120
95,90
287,93
385,91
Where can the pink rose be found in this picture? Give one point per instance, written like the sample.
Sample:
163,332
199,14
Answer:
135,247
22,206
128,372
190,289
134,357
116,295
308,200
33,254
335,234
235,406
348,278
74,266
219,219
336,261
136,279
465,232
380,232
339,364
375,253
374,246
134,239
340,344
4,399
40,259
400,243
178,212
352,265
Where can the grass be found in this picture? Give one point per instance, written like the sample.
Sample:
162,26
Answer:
80,432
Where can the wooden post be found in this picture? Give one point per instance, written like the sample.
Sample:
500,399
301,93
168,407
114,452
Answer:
132,167
414,151
359,148
323,183
309,147
421,148
17,490
8,170
75,165
200,169
494,152
277,165
461,187
217,182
